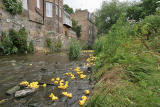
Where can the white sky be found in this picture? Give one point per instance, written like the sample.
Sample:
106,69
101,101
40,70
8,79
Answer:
91,5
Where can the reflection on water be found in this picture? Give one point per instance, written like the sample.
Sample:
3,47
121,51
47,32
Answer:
41,68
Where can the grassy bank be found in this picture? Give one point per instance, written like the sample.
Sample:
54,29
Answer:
127,71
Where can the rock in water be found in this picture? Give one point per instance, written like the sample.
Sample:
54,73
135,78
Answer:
25,92
13,90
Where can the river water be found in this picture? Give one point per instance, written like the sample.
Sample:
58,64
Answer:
41,68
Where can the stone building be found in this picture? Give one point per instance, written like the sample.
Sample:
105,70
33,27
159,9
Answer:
41,18
67,25
87,22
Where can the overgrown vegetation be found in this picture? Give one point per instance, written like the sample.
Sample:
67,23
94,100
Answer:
13,6
108,15
54,46
68,9
15,42
77,28
58,45
50,44
31,47
140,10
74,50
127,64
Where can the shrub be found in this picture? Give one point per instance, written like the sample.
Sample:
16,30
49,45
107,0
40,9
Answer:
74,50
49,44
77,28
19,39
31,47
6,45
14,50
98,45
58,45
15,42
13,6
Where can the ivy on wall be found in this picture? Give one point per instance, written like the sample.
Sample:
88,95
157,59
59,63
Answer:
13,6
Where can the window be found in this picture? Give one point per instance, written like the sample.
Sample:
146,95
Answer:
57,10
38,4
25,4
49,9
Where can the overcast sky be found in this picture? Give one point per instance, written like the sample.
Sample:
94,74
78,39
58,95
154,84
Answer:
91,5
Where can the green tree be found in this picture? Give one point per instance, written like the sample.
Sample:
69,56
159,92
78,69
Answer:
108,15
145,8
68,9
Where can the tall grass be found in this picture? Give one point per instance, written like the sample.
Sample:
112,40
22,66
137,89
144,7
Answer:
74,50
126,46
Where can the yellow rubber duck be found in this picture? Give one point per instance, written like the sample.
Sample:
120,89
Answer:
82,76
24,83
33,85
52,80
83,101
56,82
44,85
53,97
58,79
69,95
73,77
86,92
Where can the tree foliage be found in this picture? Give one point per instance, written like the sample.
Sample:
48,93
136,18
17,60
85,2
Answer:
77,28
108,15
68,9
139,11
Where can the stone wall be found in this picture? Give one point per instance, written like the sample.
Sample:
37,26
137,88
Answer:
82,17
37,31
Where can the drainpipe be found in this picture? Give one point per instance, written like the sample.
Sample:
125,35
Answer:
58,17
43,11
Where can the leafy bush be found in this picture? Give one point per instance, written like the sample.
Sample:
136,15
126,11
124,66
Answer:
50,44
31,47
19,39
6,45
15,42
74,50
143,9
13,6
58,45
77,28
98,45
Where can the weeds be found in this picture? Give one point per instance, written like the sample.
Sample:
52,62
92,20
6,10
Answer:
127,46
74,50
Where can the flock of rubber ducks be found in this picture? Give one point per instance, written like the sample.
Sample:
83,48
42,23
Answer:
91,60
64,84
80,73
32,84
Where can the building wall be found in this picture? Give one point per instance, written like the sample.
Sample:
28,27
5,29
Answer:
32,19
82,17
70,32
